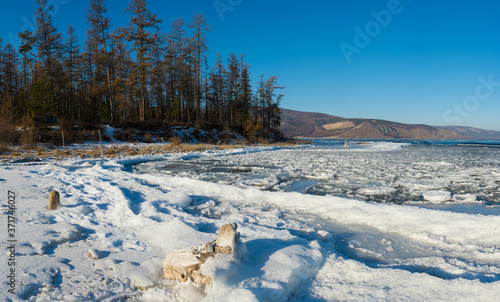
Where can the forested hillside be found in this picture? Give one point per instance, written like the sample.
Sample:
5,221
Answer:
130,73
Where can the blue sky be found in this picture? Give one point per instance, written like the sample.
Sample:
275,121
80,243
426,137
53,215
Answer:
432,62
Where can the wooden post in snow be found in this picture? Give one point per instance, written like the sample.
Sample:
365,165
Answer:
53,200
100,140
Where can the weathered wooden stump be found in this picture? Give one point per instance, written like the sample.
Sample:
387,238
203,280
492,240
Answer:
185,265
53,200
227,239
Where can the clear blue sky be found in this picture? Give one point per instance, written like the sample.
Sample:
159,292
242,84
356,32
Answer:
420,61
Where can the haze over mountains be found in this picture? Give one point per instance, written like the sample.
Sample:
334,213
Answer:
316,125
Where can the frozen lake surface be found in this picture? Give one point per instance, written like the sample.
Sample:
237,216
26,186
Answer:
442,173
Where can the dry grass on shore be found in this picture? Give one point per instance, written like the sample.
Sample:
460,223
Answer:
39,152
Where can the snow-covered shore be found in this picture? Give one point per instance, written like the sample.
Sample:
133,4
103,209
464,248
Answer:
292,240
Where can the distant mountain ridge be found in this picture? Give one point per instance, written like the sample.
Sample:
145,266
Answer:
315,125
473,133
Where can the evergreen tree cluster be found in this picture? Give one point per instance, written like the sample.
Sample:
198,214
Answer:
134,73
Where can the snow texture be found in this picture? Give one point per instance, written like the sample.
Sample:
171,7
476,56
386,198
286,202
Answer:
393,222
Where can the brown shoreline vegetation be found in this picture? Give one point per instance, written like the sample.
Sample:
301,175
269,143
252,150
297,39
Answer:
38,152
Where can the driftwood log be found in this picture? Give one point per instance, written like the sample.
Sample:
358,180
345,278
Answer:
185,265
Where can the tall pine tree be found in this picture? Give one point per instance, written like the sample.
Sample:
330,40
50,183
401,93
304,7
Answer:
138,32
49,44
